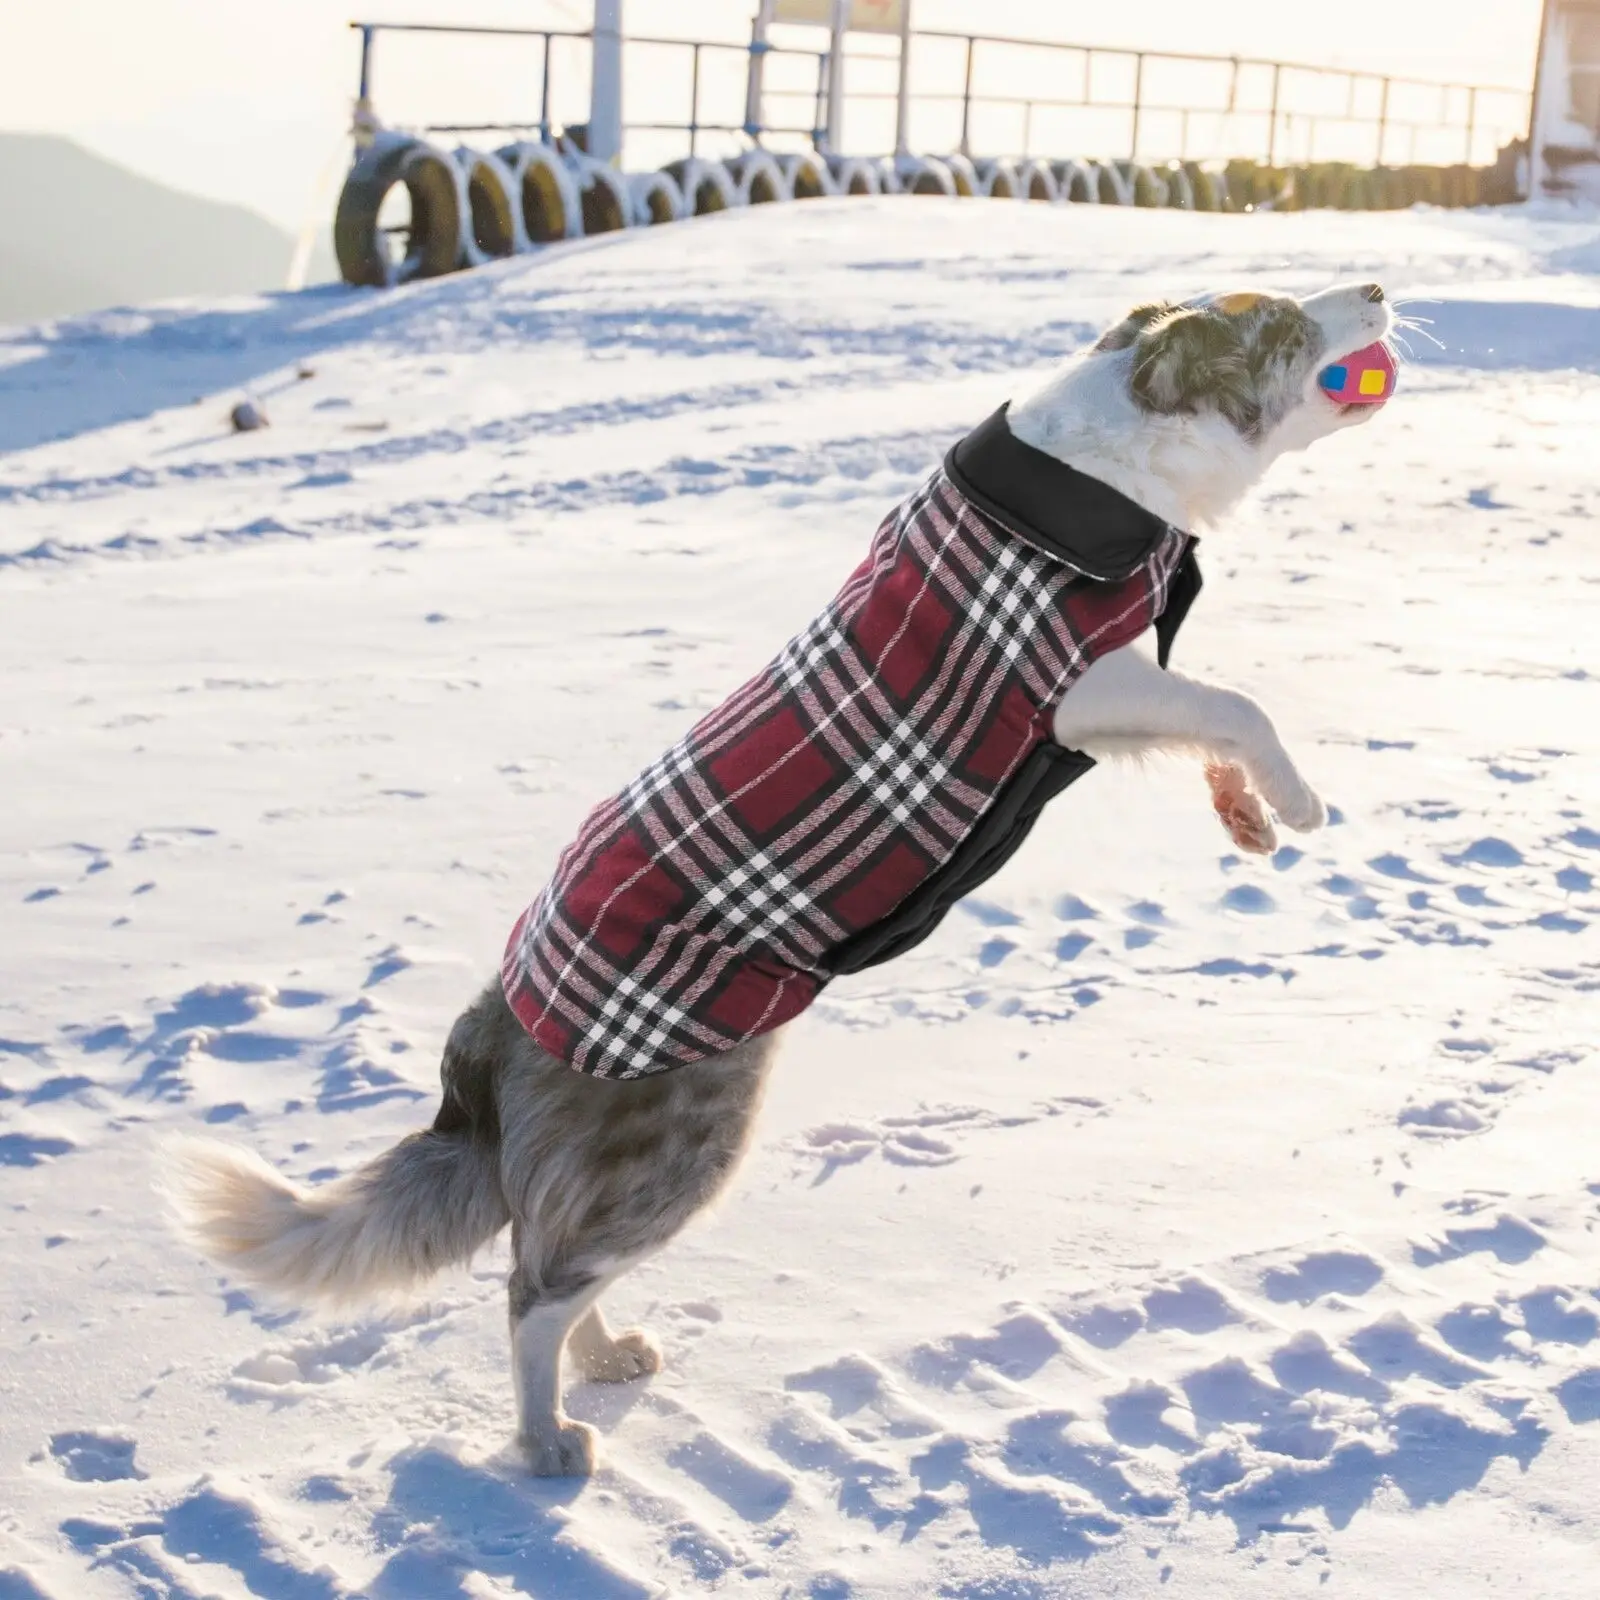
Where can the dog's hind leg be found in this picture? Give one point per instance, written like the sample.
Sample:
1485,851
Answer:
542,1317
602,1356
598,1175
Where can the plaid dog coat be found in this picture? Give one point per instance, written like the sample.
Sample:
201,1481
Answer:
893,756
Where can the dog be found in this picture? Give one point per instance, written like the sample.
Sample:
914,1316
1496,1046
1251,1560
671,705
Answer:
1169,419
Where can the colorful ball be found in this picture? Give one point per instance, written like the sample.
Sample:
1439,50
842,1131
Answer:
1365,377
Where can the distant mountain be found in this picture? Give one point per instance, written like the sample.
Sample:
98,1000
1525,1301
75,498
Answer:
78,232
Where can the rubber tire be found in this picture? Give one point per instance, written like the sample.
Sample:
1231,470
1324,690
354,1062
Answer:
434,244
656,199
547,193
998,180
759,178
705,185
852,176
807,176
1035,181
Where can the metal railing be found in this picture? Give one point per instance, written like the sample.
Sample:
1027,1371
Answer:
1351,99
1276,111
692,127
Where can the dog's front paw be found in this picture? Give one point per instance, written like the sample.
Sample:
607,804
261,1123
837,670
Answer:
1241,810
1304,812
565,1450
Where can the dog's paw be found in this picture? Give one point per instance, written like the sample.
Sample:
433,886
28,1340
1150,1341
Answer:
630,1355
1241,810
1305,813
566,1450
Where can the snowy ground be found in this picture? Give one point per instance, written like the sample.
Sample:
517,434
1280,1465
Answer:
1170,1224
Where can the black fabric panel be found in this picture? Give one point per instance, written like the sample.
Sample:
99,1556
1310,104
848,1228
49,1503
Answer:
999,834
1054,507
1182,592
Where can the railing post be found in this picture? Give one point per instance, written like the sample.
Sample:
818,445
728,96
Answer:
1027,128
1383,122
605,92
544,95
364,93
902,108
1272,128
841,22
755,111
966,101
819,134
1138,97
694,103
1472,119
364,122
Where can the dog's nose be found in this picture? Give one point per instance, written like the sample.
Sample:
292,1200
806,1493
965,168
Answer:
1372,292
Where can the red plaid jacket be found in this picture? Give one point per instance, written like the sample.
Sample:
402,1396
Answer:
827,814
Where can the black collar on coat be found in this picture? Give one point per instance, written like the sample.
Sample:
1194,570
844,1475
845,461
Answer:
1054,507
1067,514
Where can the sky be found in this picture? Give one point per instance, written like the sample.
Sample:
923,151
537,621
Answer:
249,102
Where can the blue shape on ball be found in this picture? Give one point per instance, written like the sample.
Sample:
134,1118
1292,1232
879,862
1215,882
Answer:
1335,378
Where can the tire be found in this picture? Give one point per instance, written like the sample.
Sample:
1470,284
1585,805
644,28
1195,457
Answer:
925,175
1245,186
433,243
1078,182
1180,191
606,204
1147,188
705,186
494,218
807,176
850,176
1208,189
547,193
759,179
1035,181
998,180
964,175
656,199
1115,189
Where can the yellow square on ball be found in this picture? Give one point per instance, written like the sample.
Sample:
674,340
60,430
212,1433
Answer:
1372,382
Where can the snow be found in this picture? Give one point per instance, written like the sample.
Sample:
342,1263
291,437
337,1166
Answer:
1170,1223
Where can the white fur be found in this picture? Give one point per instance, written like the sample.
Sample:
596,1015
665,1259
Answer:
1189,470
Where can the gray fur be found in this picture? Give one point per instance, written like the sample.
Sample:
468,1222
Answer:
593,1174
1248,360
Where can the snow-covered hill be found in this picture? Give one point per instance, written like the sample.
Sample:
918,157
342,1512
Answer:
1170,1224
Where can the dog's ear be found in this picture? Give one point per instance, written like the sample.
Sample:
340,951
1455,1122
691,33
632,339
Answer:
1132,325
1186,360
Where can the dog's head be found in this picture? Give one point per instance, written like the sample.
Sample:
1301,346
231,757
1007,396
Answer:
1183,405
1251,359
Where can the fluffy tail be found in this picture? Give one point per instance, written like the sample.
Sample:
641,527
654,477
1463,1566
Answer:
431,1200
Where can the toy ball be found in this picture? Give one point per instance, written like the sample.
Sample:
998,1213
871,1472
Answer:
1365,377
